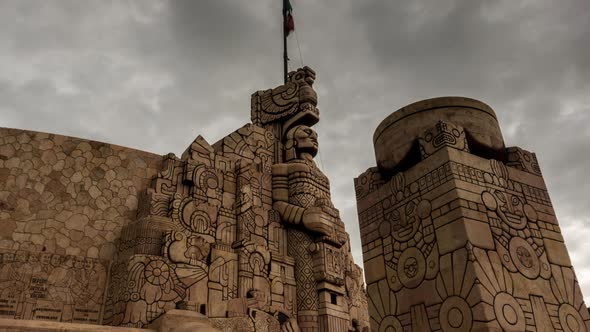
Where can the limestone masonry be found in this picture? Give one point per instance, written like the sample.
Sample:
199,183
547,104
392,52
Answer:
458,231
240,235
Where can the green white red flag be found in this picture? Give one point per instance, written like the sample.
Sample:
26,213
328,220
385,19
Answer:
289,24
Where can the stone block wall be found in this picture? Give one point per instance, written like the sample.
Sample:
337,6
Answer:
95,233
66,195
63,203
456,241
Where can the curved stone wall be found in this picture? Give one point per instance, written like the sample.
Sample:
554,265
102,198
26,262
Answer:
66,195
394,138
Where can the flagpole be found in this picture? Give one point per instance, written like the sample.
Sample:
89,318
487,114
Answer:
285,57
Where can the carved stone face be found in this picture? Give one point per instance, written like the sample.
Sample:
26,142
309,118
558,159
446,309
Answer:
411,267
442,134
511,209
78,262
68,261
88,264
524,256
305,140
404,221
45,259
22,256
56,260
7,257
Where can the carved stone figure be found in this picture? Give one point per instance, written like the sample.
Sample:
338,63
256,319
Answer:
241,233
301,191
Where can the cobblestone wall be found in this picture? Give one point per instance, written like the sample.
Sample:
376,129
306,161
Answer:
66,195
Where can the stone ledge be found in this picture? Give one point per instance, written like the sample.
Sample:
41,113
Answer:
21,325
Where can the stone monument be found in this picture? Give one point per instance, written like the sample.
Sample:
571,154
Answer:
240,235
458,231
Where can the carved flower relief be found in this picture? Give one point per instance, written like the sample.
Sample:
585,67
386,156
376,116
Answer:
157,273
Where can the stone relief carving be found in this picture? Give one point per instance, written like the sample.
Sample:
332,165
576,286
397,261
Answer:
242,231
297,96
458,242
45,286
442,134
316,235
523,160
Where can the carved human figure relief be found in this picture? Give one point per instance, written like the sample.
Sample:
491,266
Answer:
301,195
301,192
513,222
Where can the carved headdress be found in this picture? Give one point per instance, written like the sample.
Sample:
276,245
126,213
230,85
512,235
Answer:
294,102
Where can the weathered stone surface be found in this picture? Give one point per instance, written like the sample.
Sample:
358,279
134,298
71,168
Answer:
455,240
240,235
395,136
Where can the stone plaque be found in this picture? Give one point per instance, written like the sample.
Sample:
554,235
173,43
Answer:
45,286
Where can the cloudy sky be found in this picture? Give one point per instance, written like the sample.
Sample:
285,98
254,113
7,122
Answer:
152,75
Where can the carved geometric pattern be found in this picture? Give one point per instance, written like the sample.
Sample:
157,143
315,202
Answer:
299,244
285,101
44,286
492,258
443,134
214,231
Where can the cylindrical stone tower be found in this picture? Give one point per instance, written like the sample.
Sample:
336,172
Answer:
458,231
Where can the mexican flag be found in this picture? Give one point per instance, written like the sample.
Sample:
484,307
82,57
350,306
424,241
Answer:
289,24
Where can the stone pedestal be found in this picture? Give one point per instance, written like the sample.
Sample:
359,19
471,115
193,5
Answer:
458,232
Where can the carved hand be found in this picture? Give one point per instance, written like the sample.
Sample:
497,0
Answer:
312,220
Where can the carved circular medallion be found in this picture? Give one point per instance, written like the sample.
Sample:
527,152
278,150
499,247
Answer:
411,267
509,313
277,287
386,203
424,208
455,315
524,258
489,201
390,324
157,272
570,319
209,180
384,229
